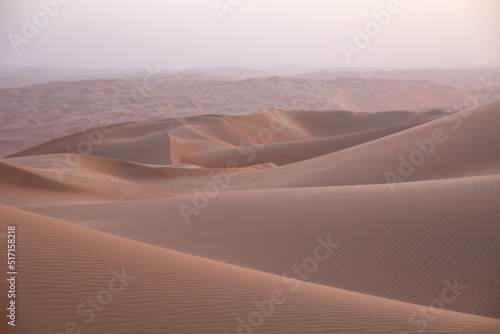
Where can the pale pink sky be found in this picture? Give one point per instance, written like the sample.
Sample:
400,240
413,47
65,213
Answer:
255,33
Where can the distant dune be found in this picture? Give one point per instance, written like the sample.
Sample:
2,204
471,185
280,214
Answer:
56,109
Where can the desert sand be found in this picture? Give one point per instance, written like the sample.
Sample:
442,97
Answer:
59,108
216,205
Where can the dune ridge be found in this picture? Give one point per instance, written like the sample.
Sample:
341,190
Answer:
56,109
164,297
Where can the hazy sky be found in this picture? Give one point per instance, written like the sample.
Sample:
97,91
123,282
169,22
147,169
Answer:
253,33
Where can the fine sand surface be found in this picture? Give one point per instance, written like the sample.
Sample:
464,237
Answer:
281,221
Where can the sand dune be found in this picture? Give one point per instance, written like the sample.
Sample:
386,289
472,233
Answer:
223,136
56,109
141,288
211,213
455,238
461,140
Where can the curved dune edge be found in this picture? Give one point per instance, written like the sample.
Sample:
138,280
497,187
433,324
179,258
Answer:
57,109
175,292
186,140
73,178
401,246
462,146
